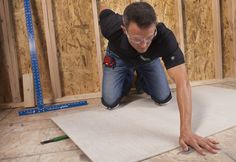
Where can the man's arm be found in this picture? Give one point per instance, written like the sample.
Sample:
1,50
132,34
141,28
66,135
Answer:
184,100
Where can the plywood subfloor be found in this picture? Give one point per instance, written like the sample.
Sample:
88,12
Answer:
21,136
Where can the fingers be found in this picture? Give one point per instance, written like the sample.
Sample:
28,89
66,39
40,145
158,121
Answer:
205,145
208,145
213,141
191,142
183,145
198,143
198,148
213,145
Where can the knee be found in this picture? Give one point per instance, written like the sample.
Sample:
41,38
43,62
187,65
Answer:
110,102
162,101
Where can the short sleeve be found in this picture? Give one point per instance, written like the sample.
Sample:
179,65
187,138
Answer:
173,55
110,24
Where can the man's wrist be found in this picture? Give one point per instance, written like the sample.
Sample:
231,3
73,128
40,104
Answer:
185,129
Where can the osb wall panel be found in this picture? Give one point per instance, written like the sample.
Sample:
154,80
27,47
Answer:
5,91
199,41
166,12
75,38
22,45
227,37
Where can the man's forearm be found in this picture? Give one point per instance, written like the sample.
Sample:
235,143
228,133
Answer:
184,99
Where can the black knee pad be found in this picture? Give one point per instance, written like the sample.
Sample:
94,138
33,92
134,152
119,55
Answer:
110,106
163,101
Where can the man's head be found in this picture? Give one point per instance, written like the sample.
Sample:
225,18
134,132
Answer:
139,21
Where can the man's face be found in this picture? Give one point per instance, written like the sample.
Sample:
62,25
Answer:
140,38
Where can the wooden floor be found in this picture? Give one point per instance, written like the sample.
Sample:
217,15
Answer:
20,139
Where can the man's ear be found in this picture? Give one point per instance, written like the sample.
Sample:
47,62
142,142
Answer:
122,26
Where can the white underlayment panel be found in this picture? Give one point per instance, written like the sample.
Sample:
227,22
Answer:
141,129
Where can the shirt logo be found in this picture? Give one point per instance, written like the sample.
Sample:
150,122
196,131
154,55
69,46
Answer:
144,59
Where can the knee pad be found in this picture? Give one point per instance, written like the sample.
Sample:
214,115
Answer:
163,102
110,104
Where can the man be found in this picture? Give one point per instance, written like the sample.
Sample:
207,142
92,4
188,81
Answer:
137,41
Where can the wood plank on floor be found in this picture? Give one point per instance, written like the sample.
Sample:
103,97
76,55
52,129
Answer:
70,156
27,143
11,128
22,159
4,113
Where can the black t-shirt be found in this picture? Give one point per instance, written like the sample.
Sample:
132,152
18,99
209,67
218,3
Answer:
163,45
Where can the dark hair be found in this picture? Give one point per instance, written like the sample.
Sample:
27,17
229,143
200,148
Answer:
141,13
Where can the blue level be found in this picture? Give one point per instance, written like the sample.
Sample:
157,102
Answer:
35,69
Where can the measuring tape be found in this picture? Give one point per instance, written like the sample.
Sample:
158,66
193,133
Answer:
35,69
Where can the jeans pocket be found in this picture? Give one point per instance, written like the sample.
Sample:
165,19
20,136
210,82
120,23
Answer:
113,58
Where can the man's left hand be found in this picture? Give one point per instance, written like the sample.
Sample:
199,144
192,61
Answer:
188,138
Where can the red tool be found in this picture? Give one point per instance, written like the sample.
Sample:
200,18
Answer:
109,62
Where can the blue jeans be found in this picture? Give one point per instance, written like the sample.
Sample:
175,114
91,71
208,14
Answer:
117,81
